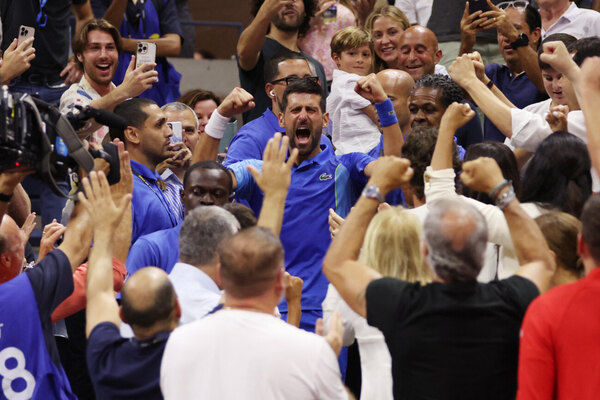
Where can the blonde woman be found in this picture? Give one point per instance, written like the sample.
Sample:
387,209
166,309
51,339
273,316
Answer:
385,25
392,247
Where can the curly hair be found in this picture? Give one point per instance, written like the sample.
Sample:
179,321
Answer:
310,6
451,92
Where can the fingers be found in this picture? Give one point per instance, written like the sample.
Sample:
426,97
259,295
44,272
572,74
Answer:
131,65
292,158
320,327
253,171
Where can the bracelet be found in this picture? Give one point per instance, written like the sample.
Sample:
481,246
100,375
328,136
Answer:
5,198
490,84
494,192
215,128
386,113
507,197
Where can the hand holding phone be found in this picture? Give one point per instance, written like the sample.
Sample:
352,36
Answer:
146,53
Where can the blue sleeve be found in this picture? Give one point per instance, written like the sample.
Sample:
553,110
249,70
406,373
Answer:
472,132
102,338
356,164
52,282
168,20
245,182
242,147
141,254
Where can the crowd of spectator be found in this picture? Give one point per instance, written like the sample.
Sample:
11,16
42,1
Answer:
408,211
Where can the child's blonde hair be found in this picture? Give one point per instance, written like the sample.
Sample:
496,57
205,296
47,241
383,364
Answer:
349,38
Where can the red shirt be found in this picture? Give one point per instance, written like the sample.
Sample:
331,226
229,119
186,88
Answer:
560,343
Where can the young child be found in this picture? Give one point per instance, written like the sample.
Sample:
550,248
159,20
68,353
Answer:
353,118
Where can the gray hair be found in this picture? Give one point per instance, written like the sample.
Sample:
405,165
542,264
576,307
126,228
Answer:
456,237
177,106
203,229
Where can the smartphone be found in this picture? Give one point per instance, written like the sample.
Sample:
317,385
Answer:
177,132
25,32
146,53
478,5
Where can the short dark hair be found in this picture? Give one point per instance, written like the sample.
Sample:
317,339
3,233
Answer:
506,161
532,17
192,97
450,91
555,37
585,48
310,7
208,165
80,40
250,262
590,230
272,66
159,310
418,149
303,86
243,214
131,111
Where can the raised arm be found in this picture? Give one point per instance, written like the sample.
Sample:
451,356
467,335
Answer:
537,264
106,217
590,104
556,55
456,116
253,37
370,88
469,27
9,181
340,265
274,180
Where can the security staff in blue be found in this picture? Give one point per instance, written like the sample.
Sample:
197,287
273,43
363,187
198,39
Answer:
320,180
29,362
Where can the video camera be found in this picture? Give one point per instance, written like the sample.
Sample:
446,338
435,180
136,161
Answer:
35,135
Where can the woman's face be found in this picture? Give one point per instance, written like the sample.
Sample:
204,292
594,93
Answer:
386,36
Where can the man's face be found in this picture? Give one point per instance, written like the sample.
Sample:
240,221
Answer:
418,52
386,37
203,110
188,126
206,187
288,68
517,17
303,121
425,107
100,57
155,134
290,16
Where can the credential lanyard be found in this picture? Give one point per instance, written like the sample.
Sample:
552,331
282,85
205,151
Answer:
162,201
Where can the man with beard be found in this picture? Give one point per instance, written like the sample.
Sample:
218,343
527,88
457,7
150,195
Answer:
320,181
97,47
274,29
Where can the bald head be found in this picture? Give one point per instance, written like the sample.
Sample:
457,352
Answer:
419,51
12,249
148,298
398,84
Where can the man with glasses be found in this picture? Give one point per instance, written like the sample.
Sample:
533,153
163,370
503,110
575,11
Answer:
97,47
274,29
519,30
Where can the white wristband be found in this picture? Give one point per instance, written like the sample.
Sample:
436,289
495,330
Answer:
215,128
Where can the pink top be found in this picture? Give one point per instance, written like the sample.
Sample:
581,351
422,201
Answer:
316,42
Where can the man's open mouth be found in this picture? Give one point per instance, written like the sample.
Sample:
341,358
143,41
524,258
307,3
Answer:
103,67
302,136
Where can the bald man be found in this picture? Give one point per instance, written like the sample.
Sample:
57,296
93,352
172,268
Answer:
419,52
12,249
397,85
124,368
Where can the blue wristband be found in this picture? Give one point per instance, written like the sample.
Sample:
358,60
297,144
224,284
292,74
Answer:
387,115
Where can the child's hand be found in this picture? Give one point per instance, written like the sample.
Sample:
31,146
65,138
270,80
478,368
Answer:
370,88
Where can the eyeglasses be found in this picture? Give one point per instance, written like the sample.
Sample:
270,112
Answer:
290,79
520,4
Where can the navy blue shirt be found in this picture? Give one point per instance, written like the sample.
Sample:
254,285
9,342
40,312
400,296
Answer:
124,368
322,182
157,249
518,89
150,211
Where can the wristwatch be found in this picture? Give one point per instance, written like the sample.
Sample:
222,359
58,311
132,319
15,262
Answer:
522,40
372,192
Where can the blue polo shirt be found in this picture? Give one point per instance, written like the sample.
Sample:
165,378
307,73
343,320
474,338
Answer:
157,249
322,182
518,89
150,211
249,144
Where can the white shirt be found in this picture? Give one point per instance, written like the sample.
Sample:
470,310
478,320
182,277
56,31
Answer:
83,94
417,11
197,293
576,21
375,359
351,129
238,354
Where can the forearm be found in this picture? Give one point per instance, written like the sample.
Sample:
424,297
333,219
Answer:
392,140
99,274
442,153
19,207
122,237
83,13
271,212
77,237
466,44
531,66
206,149
168,45
294,312
493,108
251,41
115,12
590,104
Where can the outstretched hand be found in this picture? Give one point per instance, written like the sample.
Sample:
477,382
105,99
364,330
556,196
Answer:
275,176
482,174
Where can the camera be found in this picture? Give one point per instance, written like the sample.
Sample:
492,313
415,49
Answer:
142,48
35,135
